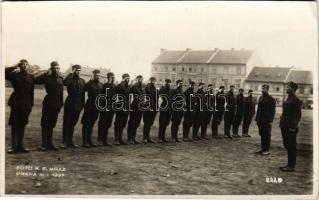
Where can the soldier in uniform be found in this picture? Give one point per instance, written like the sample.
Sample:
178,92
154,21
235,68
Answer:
229,112
189,110
52,103
136,113
165,112
21,102
209,106
177,110
73,106
218,112
199,114
265,115
123,93
149,115
239,112
93,88
249,112
289,120
106,116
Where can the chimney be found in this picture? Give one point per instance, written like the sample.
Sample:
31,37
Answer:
232,49
162,50
188,49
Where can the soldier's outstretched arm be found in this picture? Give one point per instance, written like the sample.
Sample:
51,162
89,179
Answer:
40,79
67,79
9,75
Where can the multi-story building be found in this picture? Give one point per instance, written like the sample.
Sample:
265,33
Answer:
277,79
218,67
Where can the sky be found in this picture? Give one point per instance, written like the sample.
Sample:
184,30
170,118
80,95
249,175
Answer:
128,36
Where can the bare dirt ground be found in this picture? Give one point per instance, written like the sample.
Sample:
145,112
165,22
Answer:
214,167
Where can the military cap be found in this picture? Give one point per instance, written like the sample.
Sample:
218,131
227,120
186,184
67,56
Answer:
126,75
265,86
231,86
96,71
241,89
209,85
76,67
250,90
109,74
24,60
293,85
200,84
221,87
192,82
152,79
139,76
178,81
54,64
168,80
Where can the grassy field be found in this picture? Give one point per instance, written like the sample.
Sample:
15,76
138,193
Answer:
214,167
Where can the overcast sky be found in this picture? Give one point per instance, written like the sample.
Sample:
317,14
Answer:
127,36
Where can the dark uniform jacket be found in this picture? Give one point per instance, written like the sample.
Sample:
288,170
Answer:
240,104
76,93
23,88
266,109
177,92
93,88
231,102
189,98
54,88
209,101
200,100
291,112
151,91
109,90
166,102
123,90
220,102
137,91
249,105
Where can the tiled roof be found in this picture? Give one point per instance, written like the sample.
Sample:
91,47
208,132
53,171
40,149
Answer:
300,77
268,74
232,57
203,57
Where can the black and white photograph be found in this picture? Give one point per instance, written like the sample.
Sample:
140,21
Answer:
141,99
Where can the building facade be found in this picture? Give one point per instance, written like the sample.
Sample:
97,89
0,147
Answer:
217,67
277,79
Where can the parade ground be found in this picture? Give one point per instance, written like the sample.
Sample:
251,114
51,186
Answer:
213,167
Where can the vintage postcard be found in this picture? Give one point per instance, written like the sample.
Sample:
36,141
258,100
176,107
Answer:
193,99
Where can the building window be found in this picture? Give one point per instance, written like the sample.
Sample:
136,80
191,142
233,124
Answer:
155,68
202,69
174,69
213,70
166,68
190,69
183,69
238,70
226,70
311,92
277,89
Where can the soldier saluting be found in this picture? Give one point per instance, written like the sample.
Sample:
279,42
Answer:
136,113
289,120
249,112
21,102
265,116
73,106
52,103
149,115
106,116
93,88
165,112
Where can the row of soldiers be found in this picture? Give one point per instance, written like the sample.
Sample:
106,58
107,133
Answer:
232,109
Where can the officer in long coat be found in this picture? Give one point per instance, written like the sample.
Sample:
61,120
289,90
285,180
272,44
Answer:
239,112
249,112
230,111
21,102
199,112
93,88
189,110
265,116
106,116
150,114
218,112
136,114
73,105
165,109
52,103
289,120
123,93
177,109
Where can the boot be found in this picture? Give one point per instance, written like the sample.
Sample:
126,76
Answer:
84,137
116,136
50,144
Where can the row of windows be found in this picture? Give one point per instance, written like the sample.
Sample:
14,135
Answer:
276,88
234,70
